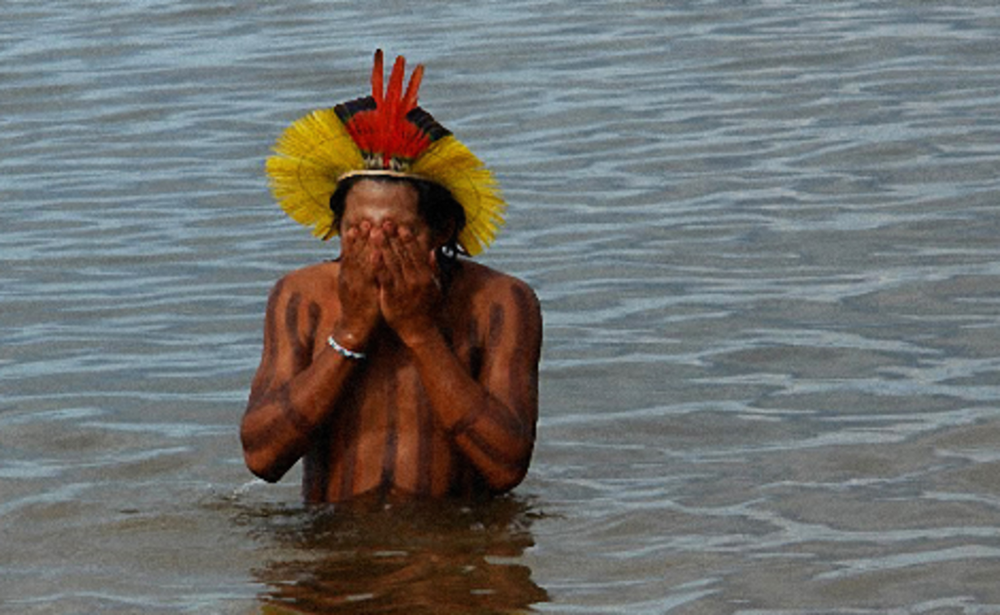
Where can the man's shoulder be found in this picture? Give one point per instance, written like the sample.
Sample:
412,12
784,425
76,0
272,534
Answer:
311,281
503,305
480,282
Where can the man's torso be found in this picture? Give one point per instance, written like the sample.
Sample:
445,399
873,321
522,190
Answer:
383,439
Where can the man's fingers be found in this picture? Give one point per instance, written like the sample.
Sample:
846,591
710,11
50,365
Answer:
371,248
394,245
409,250
361,257
394,264
354,239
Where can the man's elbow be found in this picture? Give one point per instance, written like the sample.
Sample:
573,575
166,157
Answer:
504,478
263,465
506,483
260,469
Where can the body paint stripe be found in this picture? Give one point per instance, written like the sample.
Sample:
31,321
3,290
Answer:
492,452
315,312
463,424
391,436
294,418
284,400
292,328
425,452
506,420
496,326
349,450
317,469
270,354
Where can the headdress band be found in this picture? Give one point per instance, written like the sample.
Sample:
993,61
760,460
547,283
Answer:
382,134
379,173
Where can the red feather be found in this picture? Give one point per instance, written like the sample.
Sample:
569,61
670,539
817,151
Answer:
395,92
385,130
377,78
410,99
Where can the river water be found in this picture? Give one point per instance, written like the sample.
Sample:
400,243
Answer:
764,234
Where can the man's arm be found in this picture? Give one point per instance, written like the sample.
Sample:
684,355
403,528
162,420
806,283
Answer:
491,420
292,394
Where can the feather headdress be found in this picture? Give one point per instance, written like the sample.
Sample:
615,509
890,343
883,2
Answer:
385,133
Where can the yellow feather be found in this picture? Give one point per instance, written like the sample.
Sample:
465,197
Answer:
309,158
448,162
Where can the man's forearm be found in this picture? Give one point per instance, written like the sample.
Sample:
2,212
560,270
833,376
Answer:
277,426
493,436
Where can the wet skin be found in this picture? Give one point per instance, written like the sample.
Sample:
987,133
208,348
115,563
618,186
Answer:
446,401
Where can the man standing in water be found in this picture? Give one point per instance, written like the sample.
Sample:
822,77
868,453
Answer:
398,370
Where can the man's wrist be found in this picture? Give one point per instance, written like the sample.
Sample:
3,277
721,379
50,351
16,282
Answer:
345,352
352,339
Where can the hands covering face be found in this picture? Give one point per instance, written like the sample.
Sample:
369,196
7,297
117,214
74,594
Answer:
388,272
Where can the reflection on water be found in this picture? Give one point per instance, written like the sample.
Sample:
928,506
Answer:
400,558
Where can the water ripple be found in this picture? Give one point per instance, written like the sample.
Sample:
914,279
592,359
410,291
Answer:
764,235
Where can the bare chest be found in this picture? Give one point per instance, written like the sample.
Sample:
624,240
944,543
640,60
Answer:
384,434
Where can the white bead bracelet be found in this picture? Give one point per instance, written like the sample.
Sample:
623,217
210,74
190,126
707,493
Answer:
345,352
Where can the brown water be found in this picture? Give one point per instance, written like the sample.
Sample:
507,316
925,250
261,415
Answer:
765,238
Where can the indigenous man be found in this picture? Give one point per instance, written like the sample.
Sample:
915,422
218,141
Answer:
398,370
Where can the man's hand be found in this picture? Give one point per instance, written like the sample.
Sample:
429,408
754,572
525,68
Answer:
358,286
410,289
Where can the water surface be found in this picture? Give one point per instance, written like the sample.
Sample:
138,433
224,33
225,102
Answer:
764,236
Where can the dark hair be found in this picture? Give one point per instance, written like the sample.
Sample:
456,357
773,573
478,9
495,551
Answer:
435,204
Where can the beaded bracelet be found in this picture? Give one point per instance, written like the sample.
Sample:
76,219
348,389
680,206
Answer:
345,352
